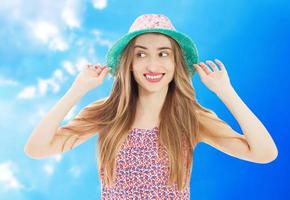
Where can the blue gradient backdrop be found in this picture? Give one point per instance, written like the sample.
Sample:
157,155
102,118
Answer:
44,43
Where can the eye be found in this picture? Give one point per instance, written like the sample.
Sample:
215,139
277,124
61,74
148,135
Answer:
162,53
140,54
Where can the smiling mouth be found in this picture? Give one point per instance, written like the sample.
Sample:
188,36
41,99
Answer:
154,78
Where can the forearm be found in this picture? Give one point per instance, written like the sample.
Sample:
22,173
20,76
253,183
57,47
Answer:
258,138
46,129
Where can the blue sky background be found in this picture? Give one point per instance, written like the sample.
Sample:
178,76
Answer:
44,44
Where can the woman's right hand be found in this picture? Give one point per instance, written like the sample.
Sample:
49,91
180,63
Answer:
90,77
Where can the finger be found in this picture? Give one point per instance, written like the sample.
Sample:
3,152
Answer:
199,70
88,66
220,64
213,65
97,65
92,67
205,68
98,68
104,72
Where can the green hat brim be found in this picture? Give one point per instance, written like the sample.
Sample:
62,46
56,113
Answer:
188,48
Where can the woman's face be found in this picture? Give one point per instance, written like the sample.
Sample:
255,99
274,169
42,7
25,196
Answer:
153,56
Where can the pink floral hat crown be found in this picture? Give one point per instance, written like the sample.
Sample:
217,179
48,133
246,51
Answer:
148,21
153,23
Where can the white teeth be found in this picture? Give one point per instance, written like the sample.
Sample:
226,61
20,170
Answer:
153,77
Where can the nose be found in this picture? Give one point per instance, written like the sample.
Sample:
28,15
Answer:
152,64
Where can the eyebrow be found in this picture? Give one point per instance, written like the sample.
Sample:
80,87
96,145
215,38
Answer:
142,47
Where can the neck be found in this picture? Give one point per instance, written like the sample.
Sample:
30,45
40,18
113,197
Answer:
149,105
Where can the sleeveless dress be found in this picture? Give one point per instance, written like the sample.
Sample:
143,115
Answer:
141,173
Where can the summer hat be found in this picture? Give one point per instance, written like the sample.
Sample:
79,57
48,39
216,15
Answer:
153,23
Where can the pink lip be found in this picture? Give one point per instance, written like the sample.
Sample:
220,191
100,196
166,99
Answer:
153,74
153,80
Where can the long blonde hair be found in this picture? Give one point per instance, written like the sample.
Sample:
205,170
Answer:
113,116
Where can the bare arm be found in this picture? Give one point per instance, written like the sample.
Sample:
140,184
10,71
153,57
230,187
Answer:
256,143
43,134
43,140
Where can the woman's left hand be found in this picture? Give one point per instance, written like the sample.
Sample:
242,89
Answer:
217,80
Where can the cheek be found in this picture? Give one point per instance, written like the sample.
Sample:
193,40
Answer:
137,62
169,63
138,68
170,67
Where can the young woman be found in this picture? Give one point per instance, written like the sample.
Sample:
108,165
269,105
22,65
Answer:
150,124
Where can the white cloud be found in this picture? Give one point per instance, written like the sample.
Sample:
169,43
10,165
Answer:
14,7
7,176
50,165
48,169
100,40
100,4
43,85
44,31
68,66
73,69
58,43
53,83
55,86
27,93
57,158
46,21
70,18
49,22
71,13
58,76
48,33
81,62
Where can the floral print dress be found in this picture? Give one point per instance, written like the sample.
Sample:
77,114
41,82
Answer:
141,173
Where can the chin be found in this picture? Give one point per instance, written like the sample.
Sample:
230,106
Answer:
153,87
